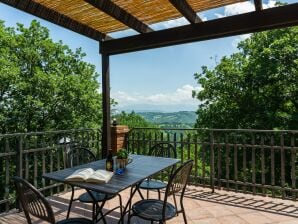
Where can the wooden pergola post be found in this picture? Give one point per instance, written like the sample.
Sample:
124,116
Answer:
106,110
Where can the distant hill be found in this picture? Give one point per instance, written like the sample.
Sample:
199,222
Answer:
181,118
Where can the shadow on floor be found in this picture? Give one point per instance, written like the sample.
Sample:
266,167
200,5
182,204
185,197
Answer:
259,203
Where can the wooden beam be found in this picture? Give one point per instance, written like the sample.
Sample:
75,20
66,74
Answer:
52,16
277,17
186,10
258,5
106,109
120,14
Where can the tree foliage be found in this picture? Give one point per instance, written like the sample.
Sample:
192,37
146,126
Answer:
44,85
132,120
255,87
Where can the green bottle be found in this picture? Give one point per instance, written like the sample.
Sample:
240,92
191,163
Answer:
109,161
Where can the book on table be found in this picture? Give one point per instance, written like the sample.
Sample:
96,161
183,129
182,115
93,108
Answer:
90,175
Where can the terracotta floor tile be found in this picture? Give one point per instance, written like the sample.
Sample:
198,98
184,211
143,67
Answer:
256,218
231,219
219,210
202,207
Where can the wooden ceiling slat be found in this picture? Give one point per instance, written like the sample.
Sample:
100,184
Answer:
120,14
186,10
258,5
278,17
52,16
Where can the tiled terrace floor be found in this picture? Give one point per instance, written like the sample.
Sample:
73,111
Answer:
202,207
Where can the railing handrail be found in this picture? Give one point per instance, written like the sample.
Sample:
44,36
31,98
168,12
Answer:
214,129
49,132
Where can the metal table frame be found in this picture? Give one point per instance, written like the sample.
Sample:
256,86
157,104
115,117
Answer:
141,168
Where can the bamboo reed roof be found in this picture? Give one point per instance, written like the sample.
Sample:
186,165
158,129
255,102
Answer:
98,18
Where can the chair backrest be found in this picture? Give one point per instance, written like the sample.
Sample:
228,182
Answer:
78,156
177,182
163,149
33,202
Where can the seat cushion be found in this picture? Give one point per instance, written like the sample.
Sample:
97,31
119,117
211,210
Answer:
86,198
75,221
151,209
152,184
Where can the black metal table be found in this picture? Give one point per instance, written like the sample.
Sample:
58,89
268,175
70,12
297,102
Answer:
139,169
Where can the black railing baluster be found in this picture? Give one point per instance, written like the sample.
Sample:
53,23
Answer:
7,174
181,147
263,165
196,158
227,161
244,165
235,161
293,166
282,164
253,162
212,161
272,152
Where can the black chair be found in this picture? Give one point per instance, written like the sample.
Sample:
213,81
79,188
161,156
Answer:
156,210
158,150
33,202
78,156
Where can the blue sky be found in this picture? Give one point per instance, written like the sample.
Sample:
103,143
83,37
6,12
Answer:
153,80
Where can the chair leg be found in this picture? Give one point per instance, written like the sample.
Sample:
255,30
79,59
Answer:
175,202
158,194
183,212
140,193
101,213
147,193
70,202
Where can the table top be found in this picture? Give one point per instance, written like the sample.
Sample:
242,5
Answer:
140,168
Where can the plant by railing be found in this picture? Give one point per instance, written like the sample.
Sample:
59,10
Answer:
29,155
252,161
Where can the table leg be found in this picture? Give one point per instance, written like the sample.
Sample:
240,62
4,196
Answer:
98,209
70,202
128,204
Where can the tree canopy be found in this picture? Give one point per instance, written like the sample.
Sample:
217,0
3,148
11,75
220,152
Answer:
132,120
44,85
255,87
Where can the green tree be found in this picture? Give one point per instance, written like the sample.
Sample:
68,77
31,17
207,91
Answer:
44,85
132,120
255,87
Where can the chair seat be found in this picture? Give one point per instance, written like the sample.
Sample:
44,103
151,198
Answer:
153,184
86,198
75,221
151,209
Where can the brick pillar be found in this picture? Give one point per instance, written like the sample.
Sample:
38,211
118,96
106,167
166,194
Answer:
118,133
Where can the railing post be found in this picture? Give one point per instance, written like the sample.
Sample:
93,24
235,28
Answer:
19,165
19,149
212,160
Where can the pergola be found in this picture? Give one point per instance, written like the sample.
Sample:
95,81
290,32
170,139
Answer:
97,18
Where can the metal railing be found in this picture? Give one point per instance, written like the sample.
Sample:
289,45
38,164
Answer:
262,162
29,155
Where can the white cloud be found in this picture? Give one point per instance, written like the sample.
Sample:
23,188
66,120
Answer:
243,7
270,4
238,8
182,95
202,16
170,24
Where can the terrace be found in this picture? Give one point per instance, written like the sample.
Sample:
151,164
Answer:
237,175
241,176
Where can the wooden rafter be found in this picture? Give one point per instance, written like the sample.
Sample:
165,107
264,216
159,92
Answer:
186,10
52,16
120,14
278,17
258,5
